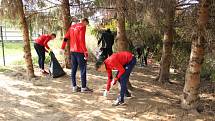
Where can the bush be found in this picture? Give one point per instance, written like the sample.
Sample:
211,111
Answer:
181,54
208,69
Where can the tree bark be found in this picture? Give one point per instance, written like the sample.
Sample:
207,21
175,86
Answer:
190,95
165,63
122,43
66,24
26,41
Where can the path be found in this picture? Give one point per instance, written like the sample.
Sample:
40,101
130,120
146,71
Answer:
46,99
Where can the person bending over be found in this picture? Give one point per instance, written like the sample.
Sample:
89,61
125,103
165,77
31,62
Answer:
41,46
124,62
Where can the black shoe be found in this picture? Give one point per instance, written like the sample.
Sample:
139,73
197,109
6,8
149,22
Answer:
117,103
128,95
86,89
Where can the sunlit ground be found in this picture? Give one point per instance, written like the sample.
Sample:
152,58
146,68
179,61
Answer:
46,99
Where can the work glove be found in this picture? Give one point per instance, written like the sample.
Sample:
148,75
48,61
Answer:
105,94
113,82
49,51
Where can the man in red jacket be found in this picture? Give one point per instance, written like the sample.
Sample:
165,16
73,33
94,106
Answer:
79,54
124,62
41,46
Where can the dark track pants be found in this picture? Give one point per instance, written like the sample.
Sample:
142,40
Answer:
41,54
106,52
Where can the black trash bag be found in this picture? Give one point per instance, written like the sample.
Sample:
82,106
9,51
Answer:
55,69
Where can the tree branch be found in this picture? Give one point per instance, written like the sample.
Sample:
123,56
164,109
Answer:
52,2
186,4
48,8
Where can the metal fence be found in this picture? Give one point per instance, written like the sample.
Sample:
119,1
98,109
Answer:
2,43
11,36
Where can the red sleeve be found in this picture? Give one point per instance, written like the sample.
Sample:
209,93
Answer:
67,36
63,45
46,50
109,79
120,68
82,38
47,39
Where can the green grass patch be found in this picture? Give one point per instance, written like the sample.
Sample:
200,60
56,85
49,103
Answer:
13,48
34,59
4,69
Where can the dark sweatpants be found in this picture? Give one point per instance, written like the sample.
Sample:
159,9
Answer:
106,52
41,54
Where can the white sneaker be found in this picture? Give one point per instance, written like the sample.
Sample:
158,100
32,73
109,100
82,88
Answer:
76,89
86,89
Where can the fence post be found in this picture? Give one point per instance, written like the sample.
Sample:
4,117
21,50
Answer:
2,42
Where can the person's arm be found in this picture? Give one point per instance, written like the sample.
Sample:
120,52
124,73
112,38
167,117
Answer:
121,70
82,38
109,79
66,38
46,43
100,39
64,43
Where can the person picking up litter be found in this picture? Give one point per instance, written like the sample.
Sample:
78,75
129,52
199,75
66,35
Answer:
41,46
124,62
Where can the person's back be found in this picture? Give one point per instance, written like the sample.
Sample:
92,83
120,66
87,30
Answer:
41,39
119,58
77,38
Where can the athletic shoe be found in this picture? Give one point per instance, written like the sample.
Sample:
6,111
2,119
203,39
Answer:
86,89
44,72
76,89
118,102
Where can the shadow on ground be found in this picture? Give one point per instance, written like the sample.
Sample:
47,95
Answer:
47,99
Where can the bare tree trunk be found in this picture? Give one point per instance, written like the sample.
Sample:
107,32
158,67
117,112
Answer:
167,46
192,78
26,41
122,43
132,15
66,24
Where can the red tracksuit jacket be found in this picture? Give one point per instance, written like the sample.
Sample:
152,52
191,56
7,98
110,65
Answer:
116,61
43,40
76,35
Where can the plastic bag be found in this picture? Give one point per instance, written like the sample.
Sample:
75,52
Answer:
98,52
55,69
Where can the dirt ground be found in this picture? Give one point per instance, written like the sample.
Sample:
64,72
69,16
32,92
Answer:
47,99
